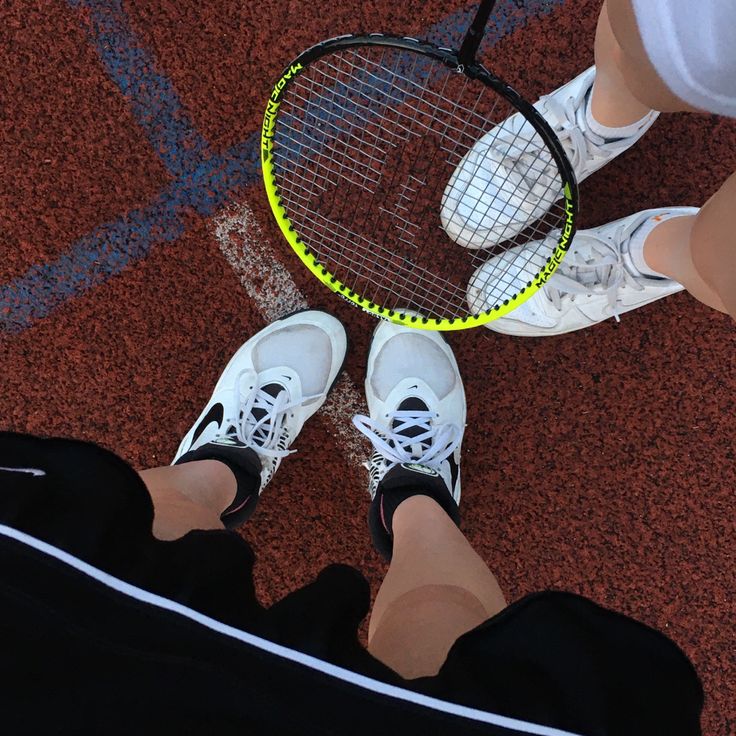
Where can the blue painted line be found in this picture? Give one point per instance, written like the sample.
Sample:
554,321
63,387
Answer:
153,101
108,249
203,181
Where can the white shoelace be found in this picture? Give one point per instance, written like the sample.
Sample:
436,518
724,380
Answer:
532,169
264,434
522,173
562,115
433,445
604,274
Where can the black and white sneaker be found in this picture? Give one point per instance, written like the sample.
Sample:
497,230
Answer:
417,412
272,385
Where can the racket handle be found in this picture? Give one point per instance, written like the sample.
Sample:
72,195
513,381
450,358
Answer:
475,33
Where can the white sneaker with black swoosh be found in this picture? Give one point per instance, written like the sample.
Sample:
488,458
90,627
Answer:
417,410
272,385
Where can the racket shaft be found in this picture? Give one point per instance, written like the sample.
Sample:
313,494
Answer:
475,33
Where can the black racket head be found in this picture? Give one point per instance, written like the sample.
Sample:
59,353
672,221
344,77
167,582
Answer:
427,192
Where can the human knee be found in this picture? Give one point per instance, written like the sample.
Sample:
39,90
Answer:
429,603
630,57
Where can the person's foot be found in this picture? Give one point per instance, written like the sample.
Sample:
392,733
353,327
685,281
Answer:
600,277
275,382
417,412
507,179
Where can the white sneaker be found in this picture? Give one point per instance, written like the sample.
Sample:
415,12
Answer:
275,382
506,181
596,280
417,412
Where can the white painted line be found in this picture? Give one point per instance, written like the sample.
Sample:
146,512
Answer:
275,294
344,403
265,280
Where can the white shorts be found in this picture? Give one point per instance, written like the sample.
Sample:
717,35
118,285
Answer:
692,45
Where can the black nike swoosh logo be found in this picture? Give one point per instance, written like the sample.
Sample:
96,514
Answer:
454,472
215,414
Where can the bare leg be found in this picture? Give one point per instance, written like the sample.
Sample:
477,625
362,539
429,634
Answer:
626,86
671,247
698,252
713,245
189,496
436,589
612,102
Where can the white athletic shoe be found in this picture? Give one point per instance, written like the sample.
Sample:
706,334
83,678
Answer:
596,280
275,382
417,412
502,185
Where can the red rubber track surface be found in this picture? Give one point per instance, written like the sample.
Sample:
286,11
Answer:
600,462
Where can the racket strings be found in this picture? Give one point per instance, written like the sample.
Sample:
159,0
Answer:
538,240
387,142
365,144
421,283
478,129
410,216
340,243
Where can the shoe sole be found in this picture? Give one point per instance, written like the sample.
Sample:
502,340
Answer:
540,333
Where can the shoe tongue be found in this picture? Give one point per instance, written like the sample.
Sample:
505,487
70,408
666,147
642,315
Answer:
228,439
272,389
411,474
413,403
585,267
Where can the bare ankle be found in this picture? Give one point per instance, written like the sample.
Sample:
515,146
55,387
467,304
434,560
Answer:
207,483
